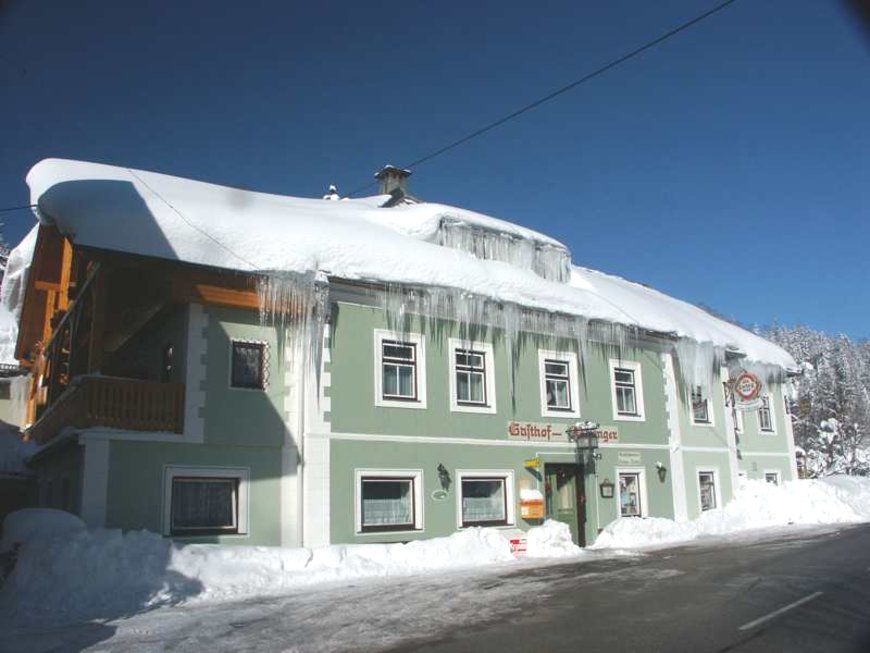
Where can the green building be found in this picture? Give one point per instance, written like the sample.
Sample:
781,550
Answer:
227,366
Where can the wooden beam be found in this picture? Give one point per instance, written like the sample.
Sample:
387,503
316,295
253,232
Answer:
208,294
65,270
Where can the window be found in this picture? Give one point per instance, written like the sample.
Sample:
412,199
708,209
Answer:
204,505
248,365
400,373
472,377
626,390
485,498
205,501
388,500
631,501
765,415
399,369
707,489
772,477
559,387
700,407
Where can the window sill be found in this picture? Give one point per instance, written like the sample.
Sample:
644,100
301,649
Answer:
472,408
417,404
390,531
629,418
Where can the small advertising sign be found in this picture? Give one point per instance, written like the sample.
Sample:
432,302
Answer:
628,458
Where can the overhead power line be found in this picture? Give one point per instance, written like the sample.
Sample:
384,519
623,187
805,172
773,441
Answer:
564,89
18,208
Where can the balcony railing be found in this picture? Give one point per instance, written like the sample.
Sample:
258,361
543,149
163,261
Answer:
111,402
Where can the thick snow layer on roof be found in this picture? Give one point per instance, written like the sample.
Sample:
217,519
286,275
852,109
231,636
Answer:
12,295
153,214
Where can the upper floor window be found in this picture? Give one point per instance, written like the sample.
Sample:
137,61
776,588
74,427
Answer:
248,365
472,378
400,374
765,415
700,406
626,390
558,374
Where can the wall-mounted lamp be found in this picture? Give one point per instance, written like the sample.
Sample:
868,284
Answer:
606,489
443,477
662,471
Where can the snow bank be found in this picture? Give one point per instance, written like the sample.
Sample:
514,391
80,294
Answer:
551,540
81,574
32,525
756,505
168,217
14,451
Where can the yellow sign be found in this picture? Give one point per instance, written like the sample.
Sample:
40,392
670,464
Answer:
532,463
532,509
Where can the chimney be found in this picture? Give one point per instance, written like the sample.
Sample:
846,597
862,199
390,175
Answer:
393,181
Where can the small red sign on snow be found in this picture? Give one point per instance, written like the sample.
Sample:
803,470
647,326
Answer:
518,546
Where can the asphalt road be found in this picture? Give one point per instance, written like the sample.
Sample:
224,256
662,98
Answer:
805,590
800,593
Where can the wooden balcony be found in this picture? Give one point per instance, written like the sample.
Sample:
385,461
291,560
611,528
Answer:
111,402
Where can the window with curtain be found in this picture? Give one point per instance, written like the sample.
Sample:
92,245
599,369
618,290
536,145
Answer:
772,477
484,501
707,486
470,377
248,365
700,406
399,360
629,495
387,503
557,384
206,505
626,396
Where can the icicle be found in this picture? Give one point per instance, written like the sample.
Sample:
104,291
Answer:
698,363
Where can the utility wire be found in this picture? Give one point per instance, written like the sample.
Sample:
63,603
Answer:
18,208
564,89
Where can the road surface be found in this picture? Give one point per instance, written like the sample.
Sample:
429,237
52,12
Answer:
808,590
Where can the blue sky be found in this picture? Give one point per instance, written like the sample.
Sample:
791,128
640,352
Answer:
728,166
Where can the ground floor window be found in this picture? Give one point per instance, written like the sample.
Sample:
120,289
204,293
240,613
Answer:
205,501
707,489
484,502
388,500
630,499
772,477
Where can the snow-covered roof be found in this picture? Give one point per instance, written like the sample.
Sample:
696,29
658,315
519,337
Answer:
147,213
12,295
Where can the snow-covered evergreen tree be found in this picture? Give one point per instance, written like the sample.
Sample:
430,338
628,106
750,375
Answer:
831,401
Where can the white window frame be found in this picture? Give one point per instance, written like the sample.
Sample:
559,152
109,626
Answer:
644,502
419,342
510,497
265,370
413,474
488,376
711,419
717,490
771,411
570,359
635,367
242,474
774,472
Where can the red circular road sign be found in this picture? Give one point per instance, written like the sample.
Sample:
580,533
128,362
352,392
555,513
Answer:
747,386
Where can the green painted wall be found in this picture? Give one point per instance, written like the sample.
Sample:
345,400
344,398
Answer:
135,496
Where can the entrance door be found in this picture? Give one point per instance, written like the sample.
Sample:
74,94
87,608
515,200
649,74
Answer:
565,498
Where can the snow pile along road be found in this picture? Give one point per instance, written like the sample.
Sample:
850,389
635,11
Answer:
756,505
65,572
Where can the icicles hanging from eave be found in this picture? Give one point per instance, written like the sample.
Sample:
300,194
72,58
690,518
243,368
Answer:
547,261
699,364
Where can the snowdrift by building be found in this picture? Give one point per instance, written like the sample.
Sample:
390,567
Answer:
757,505
65,572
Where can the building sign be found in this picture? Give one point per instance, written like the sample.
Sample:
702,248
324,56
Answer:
532,463
628,458
747,386
548,432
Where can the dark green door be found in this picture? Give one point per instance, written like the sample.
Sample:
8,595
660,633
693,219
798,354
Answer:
565,499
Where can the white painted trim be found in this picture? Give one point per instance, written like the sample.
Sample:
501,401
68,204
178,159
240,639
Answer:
772,409
266,362
574,390
641,471
195,375
419,341
789,434
675,453
510,496
717,484
707,449
489,376
425,439
415,474
749,454
635,367
95,482
202,471
729,413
